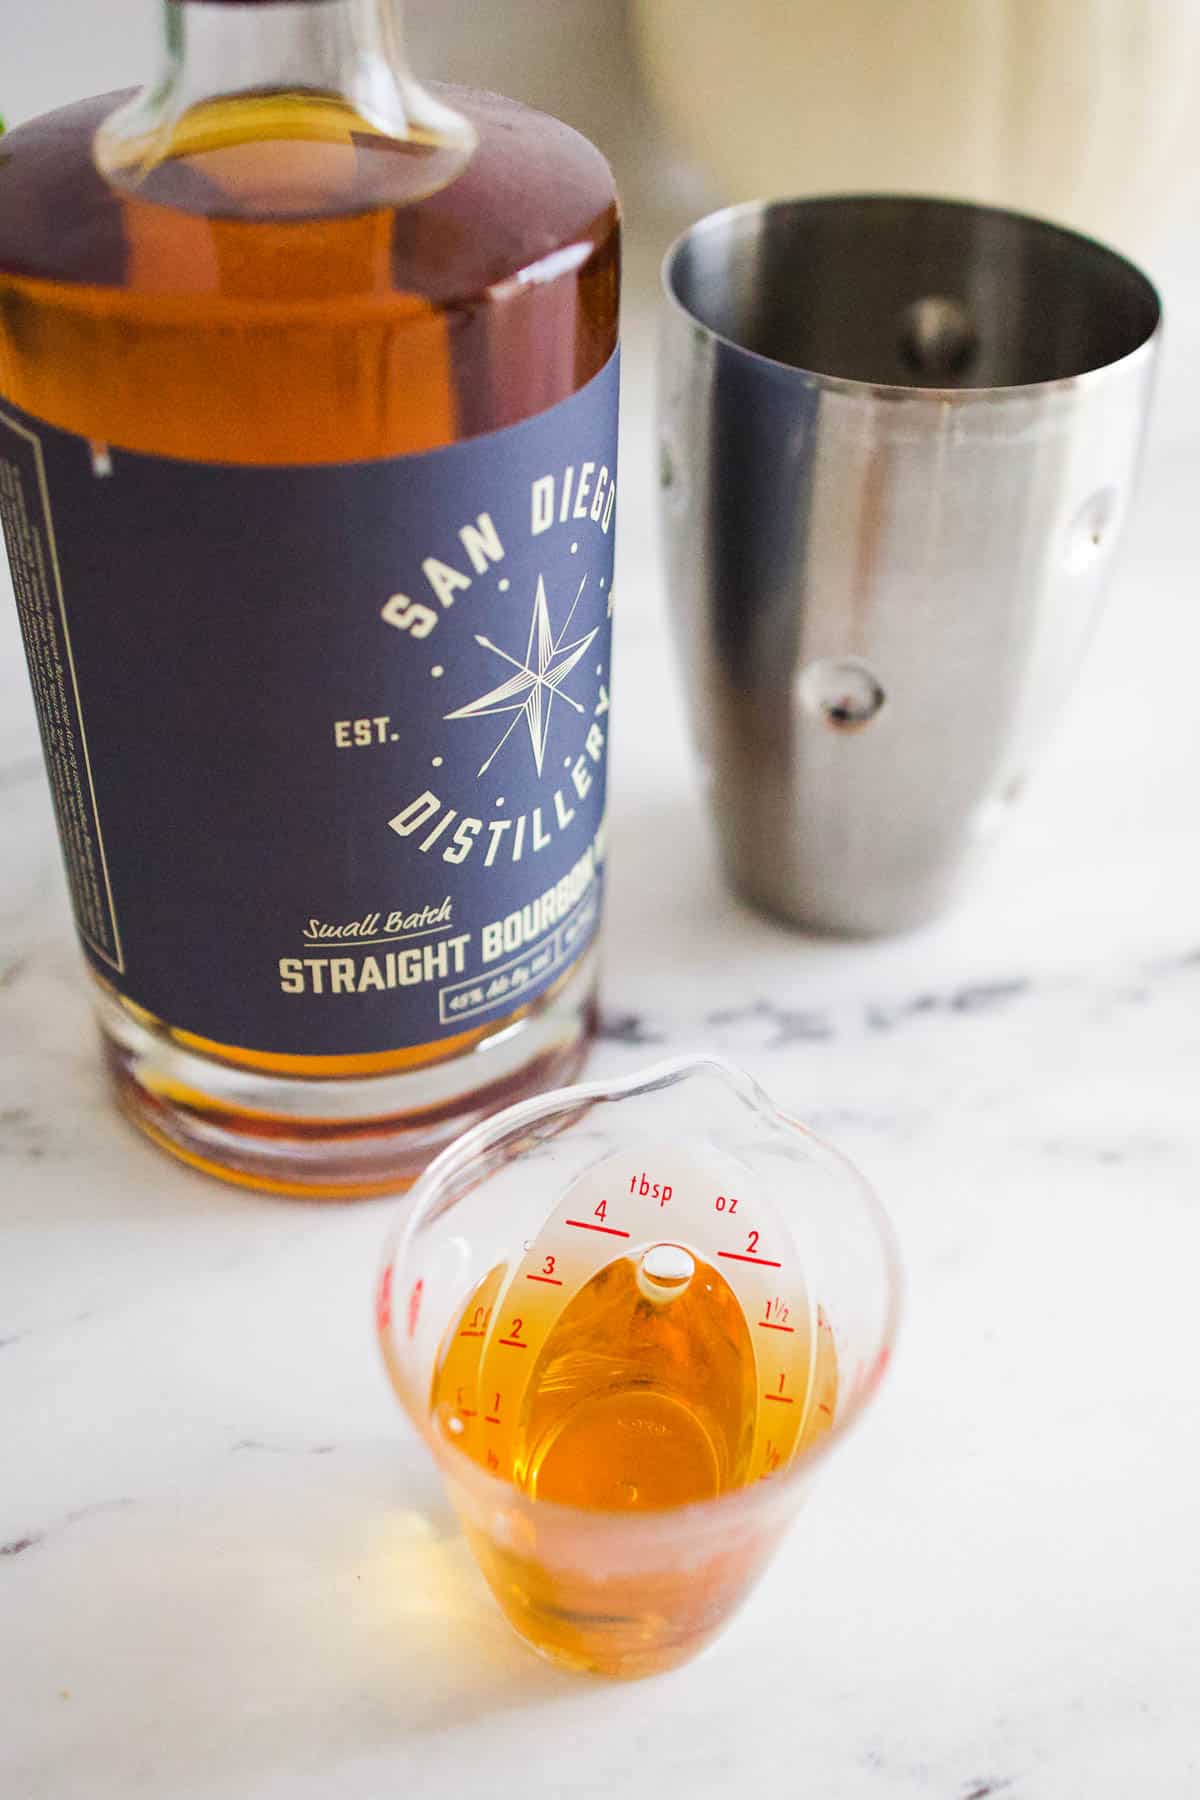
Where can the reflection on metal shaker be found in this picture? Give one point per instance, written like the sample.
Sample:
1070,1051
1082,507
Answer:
899,438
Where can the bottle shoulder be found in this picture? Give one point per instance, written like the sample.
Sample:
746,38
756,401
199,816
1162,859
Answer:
59,220
534,189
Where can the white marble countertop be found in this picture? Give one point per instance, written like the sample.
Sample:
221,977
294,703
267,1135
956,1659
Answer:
225,1569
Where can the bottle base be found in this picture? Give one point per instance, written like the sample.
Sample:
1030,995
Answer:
336,1139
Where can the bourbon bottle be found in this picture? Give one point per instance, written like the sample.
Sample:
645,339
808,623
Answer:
308,389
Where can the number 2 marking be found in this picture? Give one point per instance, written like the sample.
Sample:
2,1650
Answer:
752,1244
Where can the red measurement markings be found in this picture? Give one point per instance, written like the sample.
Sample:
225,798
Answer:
608,1230
383,1301
783,1399
470,1334
828,1410
468,1412
514,1343
514,1339
764,1262
491,1419
550,1280
770,1325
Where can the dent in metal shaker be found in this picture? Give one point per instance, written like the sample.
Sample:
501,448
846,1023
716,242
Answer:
899,438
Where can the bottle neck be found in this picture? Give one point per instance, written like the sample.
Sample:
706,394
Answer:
242,73
351,48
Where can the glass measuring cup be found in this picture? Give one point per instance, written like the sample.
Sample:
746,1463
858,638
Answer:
629,1320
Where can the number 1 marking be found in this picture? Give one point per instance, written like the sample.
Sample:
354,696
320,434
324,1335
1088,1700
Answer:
383,1301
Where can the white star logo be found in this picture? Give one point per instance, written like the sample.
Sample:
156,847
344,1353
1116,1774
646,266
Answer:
530,693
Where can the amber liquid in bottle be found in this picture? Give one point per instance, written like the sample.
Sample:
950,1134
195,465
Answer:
283,289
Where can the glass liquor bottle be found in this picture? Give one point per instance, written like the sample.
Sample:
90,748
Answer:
307,477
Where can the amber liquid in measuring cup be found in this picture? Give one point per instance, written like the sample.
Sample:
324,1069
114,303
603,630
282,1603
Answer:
645,1394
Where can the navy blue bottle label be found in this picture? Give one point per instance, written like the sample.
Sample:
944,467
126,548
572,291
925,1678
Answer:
327,744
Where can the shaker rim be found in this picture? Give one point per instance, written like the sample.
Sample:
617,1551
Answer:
1144,349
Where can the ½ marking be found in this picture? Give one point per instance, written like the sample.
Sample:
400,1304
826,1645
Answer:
550,1280
763,1262
608,1230
770,1325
